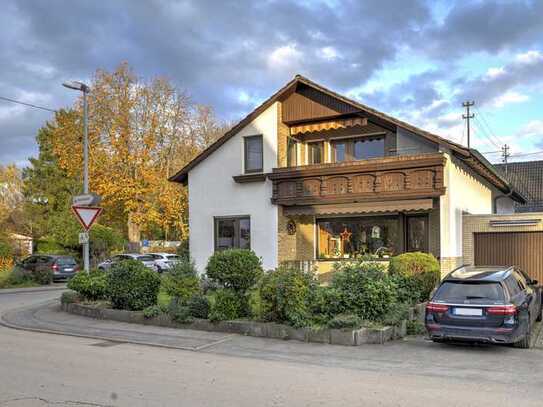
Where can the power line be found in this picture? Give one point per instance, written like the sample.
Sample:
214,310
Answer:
487,125
27,104
525,154
467,104
485,133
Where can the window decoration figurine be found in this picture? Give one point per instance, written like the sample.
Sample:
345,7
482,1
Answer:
376,232
345,235
291,227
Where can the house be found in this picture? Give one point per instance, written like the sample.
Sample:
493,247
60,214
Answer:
312,177
526,177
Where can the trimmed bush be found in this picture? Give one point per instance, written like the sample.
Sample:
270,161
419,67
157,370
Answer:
132,286
422,268
364,289
228,305
92,286
342,321
42,275
69,297
178,311
235,269
19,276
396,314
181,281
326,303
286,295
152,312
199,306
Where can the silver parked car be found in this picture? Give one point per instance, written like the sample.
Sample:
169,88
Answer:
147,260
164,261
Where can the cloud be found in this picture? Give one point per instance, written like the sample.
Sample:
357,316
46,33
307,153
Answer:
509,97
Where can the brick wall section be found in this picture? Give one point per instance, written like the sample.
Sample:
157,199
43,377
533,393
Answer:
448,264
282,138
299,246
481,223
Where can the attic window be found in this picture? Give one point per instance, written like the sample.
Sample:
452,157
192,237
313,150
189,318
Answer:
253,154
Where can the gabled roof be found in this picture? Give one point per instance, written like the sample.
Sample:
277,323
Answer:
475,161
527,178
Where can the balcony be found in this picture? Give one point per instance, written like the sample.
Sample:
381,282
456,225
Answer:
380,179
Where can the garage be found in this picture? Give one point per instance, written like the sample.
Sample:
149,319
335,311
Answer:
523,249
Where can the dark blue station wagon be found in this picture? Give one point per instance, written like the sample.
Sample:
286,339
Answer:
485,304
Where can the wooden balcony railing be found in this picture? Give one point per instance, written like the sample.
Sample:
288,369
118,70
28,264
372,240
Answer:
389,178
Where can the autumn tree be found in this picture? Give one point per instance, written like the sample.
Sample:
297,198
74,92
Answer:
140,133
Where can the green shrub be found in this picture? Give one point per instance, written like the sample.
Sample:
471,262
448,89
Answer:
286,295
228,305
92,286
19,276
345,321
408,289
235,269
69,297
6,250
132,286
364,289
415,328
199,306
422,268
326,303
42,275
181,281
396,314
178,311
152,312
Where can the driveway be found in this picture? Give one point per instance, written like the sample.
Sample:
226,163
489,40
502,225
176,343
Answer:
43,369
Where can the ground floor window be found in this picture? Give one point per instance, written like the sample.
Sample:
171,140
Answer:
381,236
232,233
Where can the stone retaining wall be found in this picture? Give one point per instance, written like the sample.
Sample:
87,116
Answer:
346,337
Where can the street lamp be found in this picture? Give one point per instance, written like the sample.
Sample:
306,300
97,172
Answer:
80,86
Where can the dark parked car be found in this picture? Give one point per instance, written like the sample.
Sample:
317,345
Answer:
147,260
63,267
485,304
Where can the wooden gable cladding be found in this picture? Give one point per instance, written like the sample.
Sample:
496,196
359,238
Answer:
310,104
328,125
388,178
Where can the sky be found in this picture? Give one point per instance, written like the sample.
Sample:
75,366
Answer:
416,60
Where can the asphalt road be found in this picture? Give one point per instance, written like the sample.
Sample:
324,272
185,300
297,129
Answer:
38,369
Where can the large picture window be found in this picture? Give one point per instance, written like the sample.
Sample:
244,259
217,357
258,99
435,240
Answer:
315,152
348,238
233,233
253,154
358,149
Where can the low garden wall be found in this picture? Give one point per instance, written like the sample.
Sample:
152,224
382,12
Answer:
346,337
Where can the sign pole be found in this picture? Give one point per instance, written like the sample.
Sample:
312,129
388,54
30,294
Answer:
86,254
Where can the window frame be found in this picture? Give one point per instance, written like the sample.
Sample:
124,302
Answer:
309,147
237,230
350,142
246,140
427,234
292,143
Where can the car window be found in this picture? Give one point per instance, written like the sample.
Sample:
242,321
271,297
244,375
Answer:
470,292
30,260
174,257
65,261
145,258
155,256
43,260
520,281
512,286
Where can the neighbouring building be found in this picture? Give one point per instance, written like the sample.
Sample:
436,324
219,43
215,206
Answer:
527,178
311,177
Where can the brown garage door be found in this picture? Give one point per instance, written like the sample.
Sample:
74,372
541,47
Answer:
522,249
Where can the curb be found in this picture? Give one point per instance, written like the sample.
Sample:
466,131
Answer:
9,325
26,290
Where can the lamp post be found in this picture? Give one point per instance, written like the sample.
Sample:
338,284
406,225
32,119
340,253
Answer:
80,86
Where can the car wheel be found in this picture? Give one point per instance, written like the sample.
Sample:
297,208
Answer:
525,342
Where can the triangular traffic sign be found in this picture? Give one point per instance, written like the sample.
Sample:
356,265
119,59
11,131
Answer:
86,215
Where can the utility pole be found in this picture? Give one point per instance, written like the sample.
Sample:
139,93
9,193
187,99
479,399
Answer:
467,104
85,90
505,155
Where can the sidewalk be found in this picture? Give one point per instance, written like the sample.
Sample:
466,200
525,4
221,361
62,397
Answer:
52,287
49,318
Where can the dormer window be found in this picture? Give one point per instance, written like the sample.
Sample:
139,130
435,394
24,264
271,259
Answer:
253,154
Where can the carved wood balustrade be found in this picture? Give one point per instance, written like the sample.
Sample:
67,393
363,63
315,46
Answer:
401,177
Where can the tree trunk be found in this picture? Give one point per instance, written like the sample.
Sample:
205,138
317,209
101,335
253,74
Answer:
134,232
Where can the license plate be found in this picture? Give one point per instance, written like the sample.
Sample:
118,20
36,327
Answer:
67,270
468,311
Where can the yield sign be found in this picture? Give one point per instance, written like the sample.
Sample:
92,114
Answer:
86,215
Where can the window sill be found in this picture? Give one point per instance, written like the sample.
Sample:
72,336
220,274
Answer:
242,179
